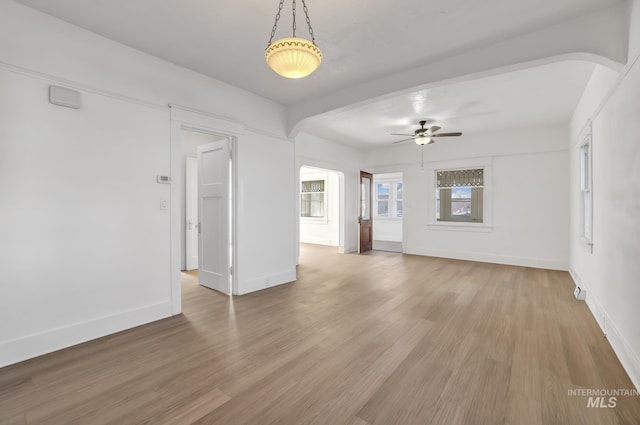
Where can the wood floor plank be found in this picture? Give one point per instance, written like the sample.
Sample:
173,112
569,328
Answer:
382,338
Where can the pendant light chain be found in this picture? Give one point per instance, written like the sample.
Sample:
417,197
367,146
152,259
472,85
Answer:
275,24
293,7
306,13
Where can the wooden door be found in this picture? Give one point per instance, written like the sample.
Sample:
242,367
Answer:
213,207
365,220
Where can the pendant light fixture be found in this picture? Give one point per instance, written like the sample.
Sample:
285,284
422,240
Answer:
293,57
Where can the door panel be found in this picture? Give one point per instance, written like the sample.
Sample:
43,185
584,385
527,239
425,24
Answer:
213,206
191,214
366,223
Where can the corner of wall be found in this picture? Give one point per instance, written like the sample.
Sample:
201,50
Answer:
629,359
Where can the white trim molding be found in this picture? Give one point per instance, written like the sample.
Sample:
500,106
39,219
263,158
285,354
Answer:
629,359
30,346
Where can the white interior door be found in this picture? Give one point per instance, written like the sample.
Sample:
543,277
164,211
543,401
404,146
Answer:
191,213
213,207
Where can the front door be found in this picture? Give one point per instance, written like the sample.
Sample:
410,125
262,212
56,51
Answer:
366,223
213,208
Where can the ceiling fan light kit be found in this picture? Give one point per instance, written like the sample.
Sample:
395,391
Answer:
293,57
423,140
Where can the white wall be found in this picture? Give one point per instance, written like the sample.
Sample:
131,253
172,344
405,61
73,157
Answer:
84,244
85,248
529,200
610,274
316,152
326,230
386,229
267,213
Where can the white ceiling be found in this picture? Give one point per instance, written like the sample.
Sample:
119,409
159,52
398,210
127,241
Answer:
361,41
526,98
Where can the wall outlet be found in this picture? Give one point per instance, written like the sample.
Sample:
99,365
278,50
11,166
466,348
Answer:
267,282
580,294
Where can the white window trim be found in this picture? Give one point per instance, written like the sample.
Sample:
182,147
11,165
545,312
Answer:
586,139
487,205
315,220
392,198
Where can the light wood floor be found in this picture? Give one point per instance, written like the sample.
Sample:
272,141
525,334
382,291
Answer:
383,338
387,246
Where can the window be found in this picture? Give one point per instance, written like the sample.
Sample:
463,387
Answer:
586,228
398,198
388,199
312,199
460,195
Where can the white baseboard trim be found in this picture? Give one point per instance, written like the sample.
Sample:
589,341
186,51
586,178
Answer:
628,357
540,263
24,348
265,282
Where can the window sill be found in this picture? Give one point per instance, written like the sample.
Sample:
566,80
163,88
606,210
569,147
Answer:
387,218
461,227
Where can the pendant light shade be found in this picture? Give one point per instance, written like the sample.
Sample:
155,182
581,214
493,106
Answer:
293,57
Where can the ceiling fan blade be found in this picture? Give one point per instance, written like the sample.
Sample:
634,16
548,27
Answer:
433,129
445,135
401,134
401,141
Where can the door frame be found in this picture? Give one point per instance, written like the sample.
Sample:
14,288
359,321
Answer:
189,119
313,163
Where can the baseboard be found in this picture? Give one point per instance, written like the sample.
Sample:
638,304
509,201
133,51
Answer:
268,281
628,357
540,263
31,346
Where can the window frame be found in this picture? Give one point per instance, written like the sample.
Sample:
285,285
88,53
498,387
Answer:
316,219
392,201
585,187
487,195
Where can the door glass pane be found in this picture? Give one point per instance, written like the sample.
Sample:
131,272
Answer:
365,199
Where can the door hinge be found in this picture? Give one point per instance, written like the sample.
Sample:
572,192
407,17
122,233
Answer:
231,270
199,227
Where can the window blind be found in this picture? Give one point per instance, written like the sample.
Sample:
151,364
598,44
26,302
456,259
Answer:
460,178
312,186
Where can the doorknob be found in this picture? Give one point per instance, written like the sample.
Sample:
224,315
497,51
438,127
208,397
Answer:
189,225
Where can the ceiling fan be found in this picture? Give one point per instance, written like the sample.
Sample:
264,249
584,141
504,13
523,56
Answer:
425,136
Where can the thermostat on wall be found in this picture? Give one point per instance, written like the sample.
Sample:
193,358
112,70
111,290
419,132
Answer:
163,179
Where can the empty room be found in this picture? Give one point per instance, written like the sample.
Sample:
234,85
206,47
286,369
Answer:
303,212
